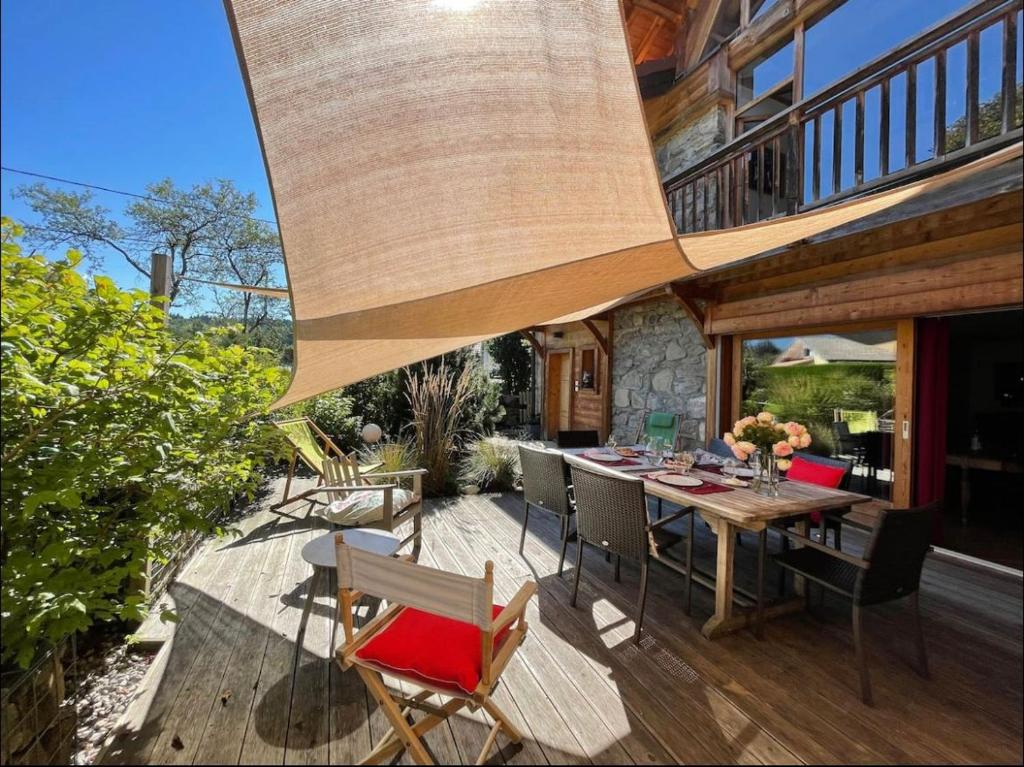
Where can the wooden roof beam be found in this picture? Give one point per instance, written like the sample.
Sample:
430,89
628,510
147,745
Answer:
602,341
692,310
538,347
659,10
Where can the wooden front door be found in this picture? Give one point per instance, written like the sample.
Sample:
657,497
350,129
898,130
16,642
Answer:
558,405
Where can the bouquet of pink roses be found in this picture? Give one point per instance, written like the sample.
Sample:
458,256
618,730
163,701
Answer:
763,432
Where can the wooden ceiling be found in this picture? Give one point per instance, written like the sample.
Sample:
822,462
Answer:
654,26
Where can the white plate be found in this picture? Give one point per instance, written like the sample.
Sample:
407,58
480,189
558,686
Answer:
738,472
680,480
603,457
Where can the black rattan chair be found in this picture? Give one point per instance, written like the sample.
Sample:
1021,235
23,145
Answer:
890,569
583,438
545,487
611,514
720,448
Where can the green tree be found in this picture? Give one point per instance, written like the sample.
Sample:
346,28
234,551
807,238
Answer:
117,437
208,230
514,357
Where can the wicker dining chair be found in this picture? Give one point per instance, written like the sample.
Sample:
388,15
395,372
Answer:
611,514
578,438
546,487
889,570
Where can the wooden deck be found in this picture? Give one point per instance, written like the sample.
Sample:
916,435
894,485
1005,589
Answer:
231,687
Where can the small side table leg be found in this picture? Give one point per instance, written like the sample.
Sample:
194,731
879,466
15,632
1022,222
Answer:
314,584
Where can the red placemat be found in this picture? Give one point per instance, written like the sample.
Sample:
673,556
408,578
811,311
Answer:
706,489
612,464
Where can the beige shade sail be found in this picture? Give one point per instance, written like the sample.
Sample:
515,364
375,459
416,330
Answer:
445,171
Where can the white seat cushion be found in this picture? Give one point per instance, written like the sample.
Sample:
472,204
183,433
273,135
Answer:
364,507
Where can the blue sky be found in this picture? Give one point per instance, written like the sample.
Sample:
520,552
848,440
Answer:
122,94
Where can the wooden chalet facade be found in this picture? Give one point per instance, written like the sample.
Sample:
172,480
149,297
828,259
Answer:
731,156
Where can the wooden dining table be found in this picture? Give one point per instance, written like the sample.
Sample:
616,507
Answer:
732,512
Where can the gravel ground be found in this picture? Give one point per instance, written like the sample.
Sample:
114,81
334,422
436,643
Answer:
110,672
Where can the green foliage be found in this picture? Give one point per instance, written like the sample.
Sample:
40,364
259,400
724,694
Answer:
116,437
810,393
273,334
514,357
333,414
990,120
491,463
393,456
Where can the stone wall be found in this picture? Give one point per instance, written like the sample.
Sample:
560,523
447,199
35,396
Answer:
681,146
658,363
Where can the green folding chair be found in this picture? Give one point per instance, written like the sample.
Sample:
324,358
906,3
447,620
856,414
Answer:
312,447
663,426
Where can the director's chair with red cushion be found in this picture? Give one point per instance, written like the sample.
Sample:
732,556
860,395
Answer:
441,633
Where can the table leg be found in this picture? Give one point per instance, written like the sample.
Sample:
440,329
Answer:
314,584
723,578
965,493
799,582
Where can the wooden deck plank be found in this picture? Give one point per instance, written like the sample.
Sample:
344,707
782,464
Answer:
227,723
186,720
579,689
136,734
568,677
706,726
926,740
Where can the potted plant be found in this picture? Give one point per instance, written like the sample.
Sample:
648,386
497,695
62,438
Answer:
770,443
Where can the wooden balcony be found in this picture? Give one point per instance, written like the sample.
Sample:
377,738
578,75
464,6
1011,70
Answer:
243,679
819,152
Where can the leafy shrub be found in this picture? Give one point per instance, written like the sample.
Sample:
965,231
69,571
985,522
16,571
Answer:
491,463
116,437
333,414
514,357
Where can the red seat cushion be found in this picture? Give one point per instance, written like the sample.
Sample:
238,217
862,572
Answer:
437,651
803,470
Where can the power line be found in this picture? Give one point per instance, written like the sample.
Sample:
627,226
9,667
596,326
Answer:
122,192
125,238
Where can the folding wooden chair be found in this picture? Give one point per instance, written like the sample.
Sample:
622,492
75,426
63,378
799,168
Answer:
441,633
312,447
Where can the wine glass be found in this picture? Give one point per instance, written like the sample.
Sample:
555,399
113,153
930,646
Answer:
610,443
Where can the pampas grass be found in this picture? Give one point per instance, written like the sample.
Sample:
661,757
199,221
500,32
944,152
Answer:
437,397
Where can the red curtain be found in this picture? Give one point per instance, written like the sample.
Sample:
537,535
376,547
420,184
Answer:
931,405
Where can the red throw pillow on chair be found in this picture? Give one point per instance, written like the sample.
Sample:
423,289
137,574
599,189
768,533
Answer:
803,470
440,652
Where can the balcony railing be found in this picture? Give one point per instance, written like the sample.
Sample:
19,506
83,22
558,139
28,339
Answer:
819,150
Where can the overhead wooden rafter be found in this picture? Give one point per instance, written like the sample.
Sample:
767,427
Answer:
601,339
692,310
537,346
653,27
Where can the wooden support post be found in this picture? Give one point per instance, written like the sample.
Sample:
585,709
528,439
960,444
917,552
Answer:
161,277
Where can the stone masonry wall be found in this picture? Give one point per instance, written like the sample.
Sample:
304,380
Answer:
658,362
681,146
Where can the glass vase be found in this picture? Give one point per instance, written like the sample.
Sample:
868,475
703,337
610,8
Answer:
766,473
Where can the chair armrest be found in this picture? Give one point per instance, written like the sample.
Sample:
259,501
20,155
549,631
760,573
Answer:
515,607
803,540
349,488
670,518
404,473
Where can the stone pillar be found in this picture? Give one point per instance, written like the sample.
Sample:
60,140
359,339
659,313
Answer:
658,363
